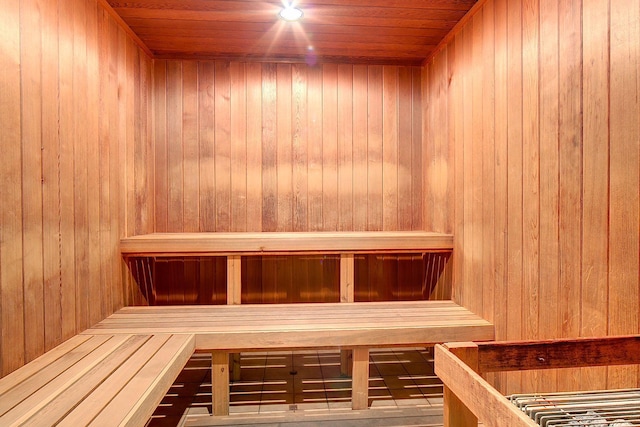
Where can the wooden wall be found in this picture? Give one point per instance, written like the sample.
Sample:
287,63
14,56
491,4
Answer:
74,117
534,106
284,147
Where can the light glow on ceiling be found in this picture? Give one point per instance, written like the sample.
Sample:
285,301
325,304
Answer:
290,13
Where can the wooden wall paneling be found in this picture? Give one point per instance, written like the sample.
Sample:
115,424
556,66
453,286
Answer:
269,148
330,217
174,147
417,199
66,129
284,148
515,291
570,236
238,147
345,146
80,172
300,126
360,142
456,50
374,149
466,281
437,174
188,283
95,281
531,176
623,181
595,161
222,146
549,182
32,179
299,129
430,130
254,147
206,151
476,293
314,153
488,164
285,287
50,175
160,141
115,294
390,148
11,276
500,186
405,146
124,295
190,146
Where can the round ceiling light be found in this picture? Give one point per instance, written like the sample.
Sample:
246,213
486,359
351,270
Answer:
290,13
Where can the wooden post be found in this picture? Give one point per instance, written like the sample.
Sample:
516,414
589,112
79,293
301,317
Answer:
456,414
234,296
360,379
347,280
220,382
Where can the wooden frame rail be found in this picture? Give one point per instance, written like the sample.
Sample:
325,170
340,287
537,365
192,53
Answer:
469,398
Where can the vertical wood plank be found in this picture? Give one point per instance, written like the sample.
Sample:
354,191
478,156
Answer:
222,146
374,149
531,176
66,159
501,184
175,164
238,147
514,180
390,148
405,145
11,302
417,200
190,147
595,167
300,146
269,148
314,153
360,141
623,181
345,147
206,139
32,177
284,165
330,147
570,223
254,147
160,143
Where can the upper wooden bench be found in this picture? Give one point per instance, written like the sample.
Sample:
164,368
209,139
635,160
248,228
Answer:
224,329
106,379
235,245
247,243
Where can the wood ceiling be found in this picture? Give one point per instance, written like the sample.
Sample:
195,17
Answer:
360,31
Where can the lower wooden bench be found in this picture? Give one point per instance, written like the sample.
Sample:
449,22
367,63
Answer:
106,379
225,329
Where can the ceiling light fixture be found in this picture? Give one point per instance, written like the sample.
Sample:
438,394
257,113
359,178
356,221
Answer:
290,13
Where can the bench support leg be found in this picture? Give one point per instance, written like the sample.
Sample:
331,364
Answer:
220,382
360,379
234,296
347,279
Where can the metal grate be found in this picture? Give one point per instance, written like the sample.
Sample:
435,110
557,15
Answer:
608,408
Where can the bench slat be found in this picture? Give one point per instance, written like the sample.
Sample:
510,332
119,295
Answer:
76,390
27,371
150,384
44,383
